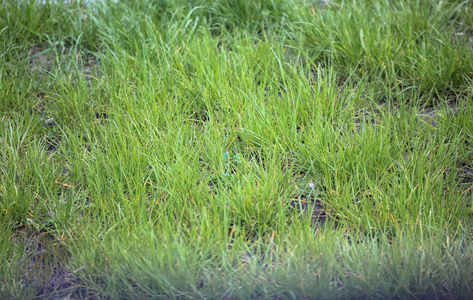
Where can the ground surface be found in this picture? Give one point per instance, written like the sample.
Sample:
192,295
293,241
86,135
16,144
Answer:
236,149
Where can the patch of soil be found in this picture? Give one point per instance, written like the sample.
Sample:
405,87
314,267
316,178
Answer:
43,263
432,114
316,209
309,200
465,181
466,174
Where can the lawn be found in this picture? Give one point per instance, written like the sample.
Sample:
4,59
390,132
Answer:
236,149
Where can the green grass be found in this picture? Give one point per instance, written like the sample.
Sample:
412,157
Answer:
282,149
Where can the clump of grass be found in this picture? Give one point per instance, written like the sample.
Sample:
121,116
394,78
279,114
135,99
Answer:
408,43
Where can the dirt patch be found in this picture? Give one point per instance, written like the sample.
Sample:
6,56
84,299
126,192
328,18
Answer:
465,182
43,265
431,115
466,174
309,199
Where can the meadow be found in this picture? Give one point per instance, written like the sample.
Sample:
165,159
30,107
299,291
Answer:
232,149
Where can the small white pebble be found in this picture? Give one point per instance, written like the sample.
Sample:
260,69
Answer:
49,122
312,184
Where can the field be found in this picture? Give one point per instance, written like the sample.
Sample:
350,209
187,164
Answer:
232,149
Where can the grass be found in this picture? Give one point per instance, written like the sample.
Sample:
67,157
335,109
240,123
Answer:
236,149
